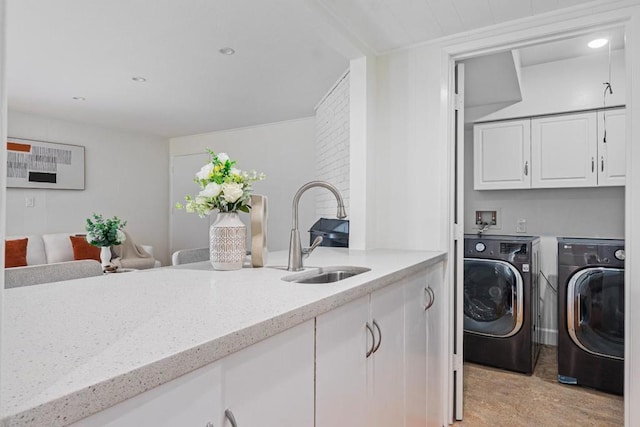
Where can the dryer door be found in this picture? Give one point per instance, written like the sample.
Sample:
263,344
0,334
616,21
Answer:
595,311
493,298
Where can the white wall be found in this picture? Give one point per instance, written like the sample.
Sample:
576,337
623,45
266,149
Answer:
568,85
284,151
126,174
332,147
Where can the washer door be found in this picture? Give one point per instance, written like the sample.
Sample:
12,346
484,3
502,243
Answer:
595,311
493,298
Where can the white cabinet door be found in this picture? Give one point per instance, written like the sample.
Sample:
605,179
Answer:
193,399
415,349
270,384
564,151
612,153
437,349
502,155
387,361
342,342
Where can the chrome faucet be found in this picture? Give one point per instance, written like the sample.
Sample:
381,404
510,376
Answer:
296,252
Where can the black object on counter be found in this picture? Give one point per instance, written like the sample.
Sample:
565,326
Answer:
334,232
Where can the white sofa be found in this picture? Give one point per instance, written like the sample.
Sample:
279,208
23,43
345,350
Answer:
50,258
55,247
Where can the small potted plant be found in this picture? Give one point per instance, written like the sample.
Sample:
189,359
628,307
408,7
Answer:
104,234
225,188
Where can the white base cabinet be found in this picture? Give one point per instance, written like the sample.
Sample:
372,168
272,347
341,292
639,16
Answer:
380,360
268,384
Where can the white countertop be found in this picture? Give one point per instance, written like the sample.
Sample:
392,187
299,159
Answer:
71,349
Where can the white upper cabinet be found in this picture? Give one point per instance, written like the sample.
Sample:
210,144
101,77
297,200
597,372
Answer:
559,151
564,150
502,155
611,153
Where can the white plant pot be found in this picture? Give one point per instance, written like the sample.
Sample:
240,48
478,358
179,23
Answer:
105,256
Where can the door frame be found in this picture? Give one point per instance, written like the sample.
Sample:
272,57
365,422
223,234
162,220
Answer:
546,28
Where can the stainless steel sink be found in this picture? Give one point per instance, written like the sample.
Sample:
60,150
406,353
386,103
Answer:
326,274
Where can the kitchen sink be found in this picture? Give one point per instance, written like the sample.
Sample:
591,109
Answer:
326,274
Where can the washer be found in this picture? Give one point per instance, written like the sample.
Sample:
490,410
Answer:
502,301
591,313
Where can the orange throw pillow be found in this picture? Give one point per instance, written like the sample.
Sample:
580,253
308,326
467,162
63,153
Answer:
83,250
15,253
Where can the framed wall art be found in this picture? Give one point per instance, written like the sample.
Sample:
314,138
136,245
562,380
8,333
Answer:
39,164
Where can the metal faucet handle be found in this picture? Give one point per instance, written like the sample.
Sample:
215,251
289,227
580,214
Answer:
315,244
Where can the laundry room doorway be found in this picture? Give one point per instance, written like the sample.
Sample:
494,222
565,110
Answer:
514,179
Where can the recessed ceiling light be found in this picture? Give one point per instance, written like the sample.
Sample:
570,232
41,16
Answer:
227,51
79,98
138,79
594,44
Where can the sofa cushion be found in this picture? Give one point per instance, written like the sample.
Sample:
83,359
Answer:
15,253
83,249
35,248
58,247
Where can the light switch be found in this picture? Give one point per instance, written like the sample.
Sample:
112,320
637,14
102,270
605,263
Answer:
29,202
521,226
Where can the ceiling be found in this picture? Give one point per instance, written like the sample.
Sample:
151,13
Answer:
288,55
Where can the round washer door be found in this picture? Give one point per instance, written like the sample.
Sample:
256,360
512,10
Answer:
493,298
595,311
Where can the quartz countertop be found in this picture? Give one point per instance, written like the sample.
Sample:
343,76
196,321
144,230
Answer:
71,349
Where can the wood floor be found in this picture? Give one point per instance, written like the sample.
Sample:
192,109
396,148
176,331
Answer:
501,398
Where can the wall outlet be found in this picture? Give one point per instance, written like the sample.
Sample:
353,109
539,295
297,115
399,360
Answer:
521,226
29,202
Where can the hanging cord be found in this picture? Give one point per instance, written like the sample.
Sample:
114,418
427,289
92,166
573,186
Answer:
607,88
555,291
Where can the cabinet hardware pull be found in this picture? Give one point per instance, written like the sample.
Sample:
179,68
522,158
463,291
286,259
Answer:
601,163
230,417
373,340
432,298
379,335
592,164
526,168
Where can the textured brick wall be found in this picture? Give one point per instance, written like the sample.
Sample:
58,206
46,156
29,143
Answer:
332,147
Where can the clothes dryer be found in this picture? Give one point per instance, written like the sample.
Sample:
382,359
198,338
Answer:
591,313
502,301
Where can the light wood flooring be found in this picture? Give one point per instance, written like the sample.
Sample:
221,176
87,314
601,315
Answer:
497,398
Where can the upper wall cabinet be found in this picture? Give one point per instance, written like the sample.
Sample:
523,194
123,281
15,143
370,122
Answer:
611,150
564,150
559,151
502,155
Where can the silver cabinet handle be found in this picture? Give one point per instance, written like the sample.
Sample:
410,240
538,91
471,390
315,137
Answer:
592,164
432,298
601,163
526,168
373,340
379,335
230,417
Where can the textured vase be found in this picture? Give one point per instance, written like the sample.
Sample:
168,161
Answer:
227,242
105,256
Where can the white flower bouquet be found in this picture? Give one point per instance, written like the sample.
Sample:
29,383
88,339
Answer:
222,187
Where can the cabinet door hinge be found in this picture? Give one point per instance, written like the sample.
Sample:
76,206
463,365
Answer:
459,101
458,233
457,362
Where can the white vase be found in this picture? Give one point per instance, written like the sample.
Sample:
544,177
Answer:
227,242
105,256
